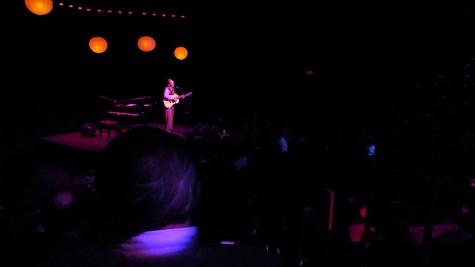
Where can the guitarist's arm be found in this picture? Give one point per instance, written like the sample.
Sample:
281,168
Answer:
172,99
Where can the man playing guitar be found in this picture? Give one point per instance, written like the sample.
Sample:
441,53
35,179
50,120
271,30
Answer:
170,98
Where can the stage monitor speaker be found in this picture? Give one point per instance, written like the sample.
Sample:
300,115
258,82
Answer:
88,130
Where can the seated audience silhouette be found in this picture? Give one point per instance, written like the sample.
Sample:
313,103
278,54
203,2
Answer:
148,192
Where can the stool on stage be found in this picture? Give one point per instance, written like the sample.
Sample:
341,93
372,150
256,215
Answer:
109,125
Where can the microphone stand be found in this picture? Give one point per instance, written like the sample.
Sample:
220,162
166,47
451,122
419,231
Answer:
186,109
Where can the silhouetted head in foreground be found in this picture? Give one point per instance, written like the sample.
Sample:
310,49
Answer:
146,180
147,190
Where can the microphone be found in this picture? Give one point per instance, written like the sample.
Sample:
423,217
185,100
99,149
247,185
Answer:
179,89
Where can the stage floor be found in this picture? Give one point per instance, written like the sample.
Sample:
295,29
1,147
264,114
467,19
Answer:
73,151
97,143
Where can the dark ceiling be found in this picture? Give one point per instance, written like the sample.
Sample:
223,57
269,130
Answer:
262,45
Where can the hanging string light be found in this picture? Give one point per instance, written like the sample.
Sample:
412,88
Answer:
119,11
99,44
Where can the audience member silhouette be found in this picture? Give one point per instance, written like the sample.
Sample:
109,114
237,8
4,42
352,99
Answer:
148,192
59,221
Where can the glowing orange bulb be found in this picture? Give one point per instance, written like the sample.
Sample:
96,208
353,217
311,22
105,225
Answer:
146,43
181,52
98,44
39,7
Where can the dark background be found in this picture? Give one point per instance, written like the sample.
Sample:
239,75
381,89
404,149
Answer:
242,56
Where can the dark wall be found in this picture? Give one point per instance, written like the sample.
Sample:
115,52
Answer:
241,56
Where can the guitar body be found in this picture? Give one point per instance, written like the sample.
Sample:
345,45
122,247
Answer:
169,103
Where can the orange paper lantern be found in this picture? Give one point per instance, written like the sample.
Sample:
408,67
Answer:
98,44
181,52
39,7
146,43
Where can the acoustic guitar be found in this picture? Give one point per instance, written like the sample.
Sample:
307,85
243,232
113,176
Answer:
169,103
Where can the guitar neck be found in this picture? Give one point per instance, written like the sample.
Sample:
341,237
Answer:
185,95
